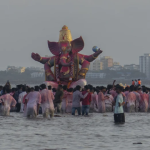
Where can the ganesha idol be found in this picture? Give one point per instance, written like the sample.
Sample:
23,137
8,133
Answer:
66,61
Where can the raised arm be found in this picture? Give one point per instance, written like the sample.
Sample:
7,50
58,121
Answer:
38,58
48,63
113,84
92,57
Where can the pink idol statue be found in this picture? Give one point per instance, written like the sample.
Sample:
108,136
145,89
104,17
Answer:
66,61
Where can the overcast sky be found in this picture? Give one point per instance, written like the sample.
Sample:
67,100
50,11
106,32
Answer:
121,28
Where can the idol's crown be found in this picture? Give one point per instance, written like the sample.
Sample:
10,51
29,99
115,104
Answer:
65,35
64,27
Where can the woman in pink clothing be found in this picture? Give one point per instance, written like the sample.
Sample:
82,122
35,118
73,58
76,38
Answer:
144,101
131,99
69,101
108,103
94,99
7,102
101,100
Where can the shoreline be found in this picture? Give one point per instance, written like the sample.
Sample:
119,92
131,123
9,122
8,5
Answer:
92,82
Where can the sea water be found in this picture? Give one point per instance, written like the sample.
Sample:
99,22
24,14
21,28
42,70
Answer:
96,132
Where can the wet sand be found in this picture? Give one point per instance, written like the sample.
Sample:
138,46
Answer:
97,132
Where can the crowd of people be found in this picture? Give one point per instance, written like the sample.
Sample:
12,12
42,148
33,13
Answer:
47,100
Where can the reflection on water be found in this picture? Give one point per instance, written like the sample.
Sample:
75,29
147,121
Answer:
67,132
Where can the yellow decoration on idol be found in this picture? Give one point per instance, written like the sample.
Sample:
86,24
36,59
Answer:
65,35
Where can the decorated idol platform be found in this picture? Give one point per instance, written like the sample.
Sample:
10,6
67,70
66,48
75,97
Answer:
70,67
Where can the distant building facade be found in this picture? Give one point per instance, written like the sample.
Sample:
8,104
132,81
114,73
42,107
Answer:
11,68
95,75
106,62
34,69
21,69
116,67
91,66
37,74
16,69
144,62
116,63
132,67
102,64
97,65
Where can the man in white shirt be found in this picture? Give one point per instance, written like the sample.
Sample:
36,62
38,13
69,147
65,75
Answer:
136,83
119,112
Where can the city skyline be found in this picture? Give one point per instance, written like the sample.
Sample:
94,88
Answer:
114,63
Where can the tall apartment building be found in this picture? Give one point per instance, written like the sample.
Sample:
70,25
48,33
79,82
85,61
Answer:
145,64
97,65
106,62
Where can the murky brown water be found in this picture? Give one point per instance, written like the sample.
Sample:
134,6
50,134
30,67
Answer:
96,132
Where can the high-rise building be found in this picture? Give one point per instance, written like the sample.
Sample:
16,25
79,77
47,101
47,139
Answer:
97,65
145,64
106,62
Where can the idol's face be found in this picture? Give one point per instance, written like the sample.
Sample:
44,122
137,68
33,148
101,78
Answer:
65,47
